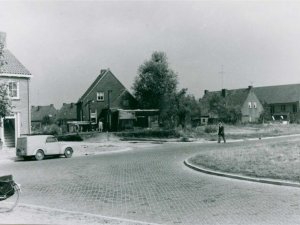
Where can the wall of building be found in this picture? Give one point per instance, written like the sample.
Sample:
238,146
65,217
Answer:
289,107
21,109
251,114
108,83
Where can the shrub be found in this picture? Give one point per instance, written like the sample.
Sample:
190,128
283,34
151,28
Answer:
149,134
210,129
71,137
52,129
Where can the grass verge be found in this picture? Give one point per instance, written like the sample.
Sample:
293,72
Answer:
277,160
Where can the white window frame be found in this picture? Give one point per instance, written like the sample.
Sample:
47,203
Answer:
100,96
10,90
249,105
254,105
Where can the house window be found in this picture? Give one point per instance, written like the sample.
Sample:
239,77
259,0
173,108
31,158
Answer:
100,96
125,103
249,105
13,89
294,108
254,105
272,109
282,107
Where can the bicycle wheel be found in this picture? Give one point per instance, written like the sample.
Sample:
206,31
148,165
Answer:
10,203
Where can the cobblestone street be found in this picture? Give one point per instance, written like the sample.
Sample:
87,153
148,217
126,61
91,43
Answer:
152,185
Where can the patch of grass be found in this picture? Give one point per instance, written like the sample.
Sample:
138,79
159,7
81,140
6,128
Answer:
279,160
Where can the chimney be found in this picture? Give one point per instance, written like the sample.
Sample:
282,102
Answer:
206,92
3,39
250,87
102,71
51,105
223,93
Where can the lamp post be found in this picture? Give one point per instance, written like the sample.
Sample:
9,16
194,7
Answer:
89,109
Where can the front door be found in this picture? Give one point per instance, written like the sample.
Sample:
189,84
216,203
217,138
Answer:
9,132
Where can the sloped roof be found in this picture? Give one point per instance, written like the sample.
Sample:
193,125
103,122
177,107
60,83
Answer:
67,112
235,97
100,76
12,65
269,94
278,94
39,112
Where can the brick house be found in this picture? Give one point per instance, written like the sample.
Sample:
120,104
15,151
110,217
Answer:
105,95
17,77
66,114
40,115
280,101
243,99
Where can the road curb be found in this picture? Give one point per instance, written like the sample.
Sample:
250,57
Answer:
240,177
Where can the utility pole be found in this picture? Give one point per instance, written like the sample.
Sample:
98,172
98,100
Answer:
108,110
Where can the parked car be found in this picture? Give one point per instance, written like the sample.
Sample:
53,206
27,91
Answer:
39,146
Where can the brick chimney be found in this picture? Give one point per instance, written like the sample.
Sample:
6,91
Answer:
206,92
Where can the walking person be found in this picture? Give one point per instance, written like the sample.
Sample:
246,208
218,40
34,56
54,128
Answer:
221,133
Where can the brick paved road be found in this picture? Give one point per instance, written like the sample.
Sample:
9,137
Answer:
153,185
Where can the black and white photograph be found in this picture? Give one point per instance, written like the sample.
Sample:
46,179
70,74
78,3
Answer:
150,112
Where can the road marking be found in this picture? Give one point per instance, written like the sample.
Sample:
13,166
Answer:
86,214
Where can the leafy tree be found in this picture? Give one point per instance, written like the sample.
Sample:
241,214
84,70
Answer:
226,112
187,107
5,102
155,87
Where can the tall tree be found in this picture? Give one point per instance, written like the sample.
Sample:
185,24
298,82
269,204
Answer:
155,86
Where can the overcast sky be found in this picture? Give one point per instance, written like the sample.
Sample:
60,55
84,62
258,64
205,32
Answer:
66,44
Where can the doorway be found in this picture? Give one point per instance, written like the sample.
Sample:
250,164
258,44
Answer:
9,132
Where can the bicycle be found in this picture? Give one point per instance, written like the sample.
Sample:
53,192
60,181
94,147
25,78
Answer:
9,193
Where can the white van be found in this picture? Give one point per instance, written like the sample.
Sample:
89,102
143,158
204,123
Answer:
40,146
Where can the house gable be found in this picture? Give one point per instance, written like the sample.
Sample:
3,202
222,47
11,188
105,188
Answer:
105,92
252,108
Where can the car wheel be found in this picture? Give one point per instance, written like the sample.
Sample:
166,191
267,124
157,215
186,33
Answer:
39,155
68,152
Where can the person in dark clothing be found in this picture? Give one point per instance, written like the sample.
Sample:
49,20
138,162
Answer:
221,133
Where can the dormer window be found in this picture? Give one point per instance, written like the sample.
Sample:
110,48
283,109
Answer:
100,96
254,105
13,89
249,105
